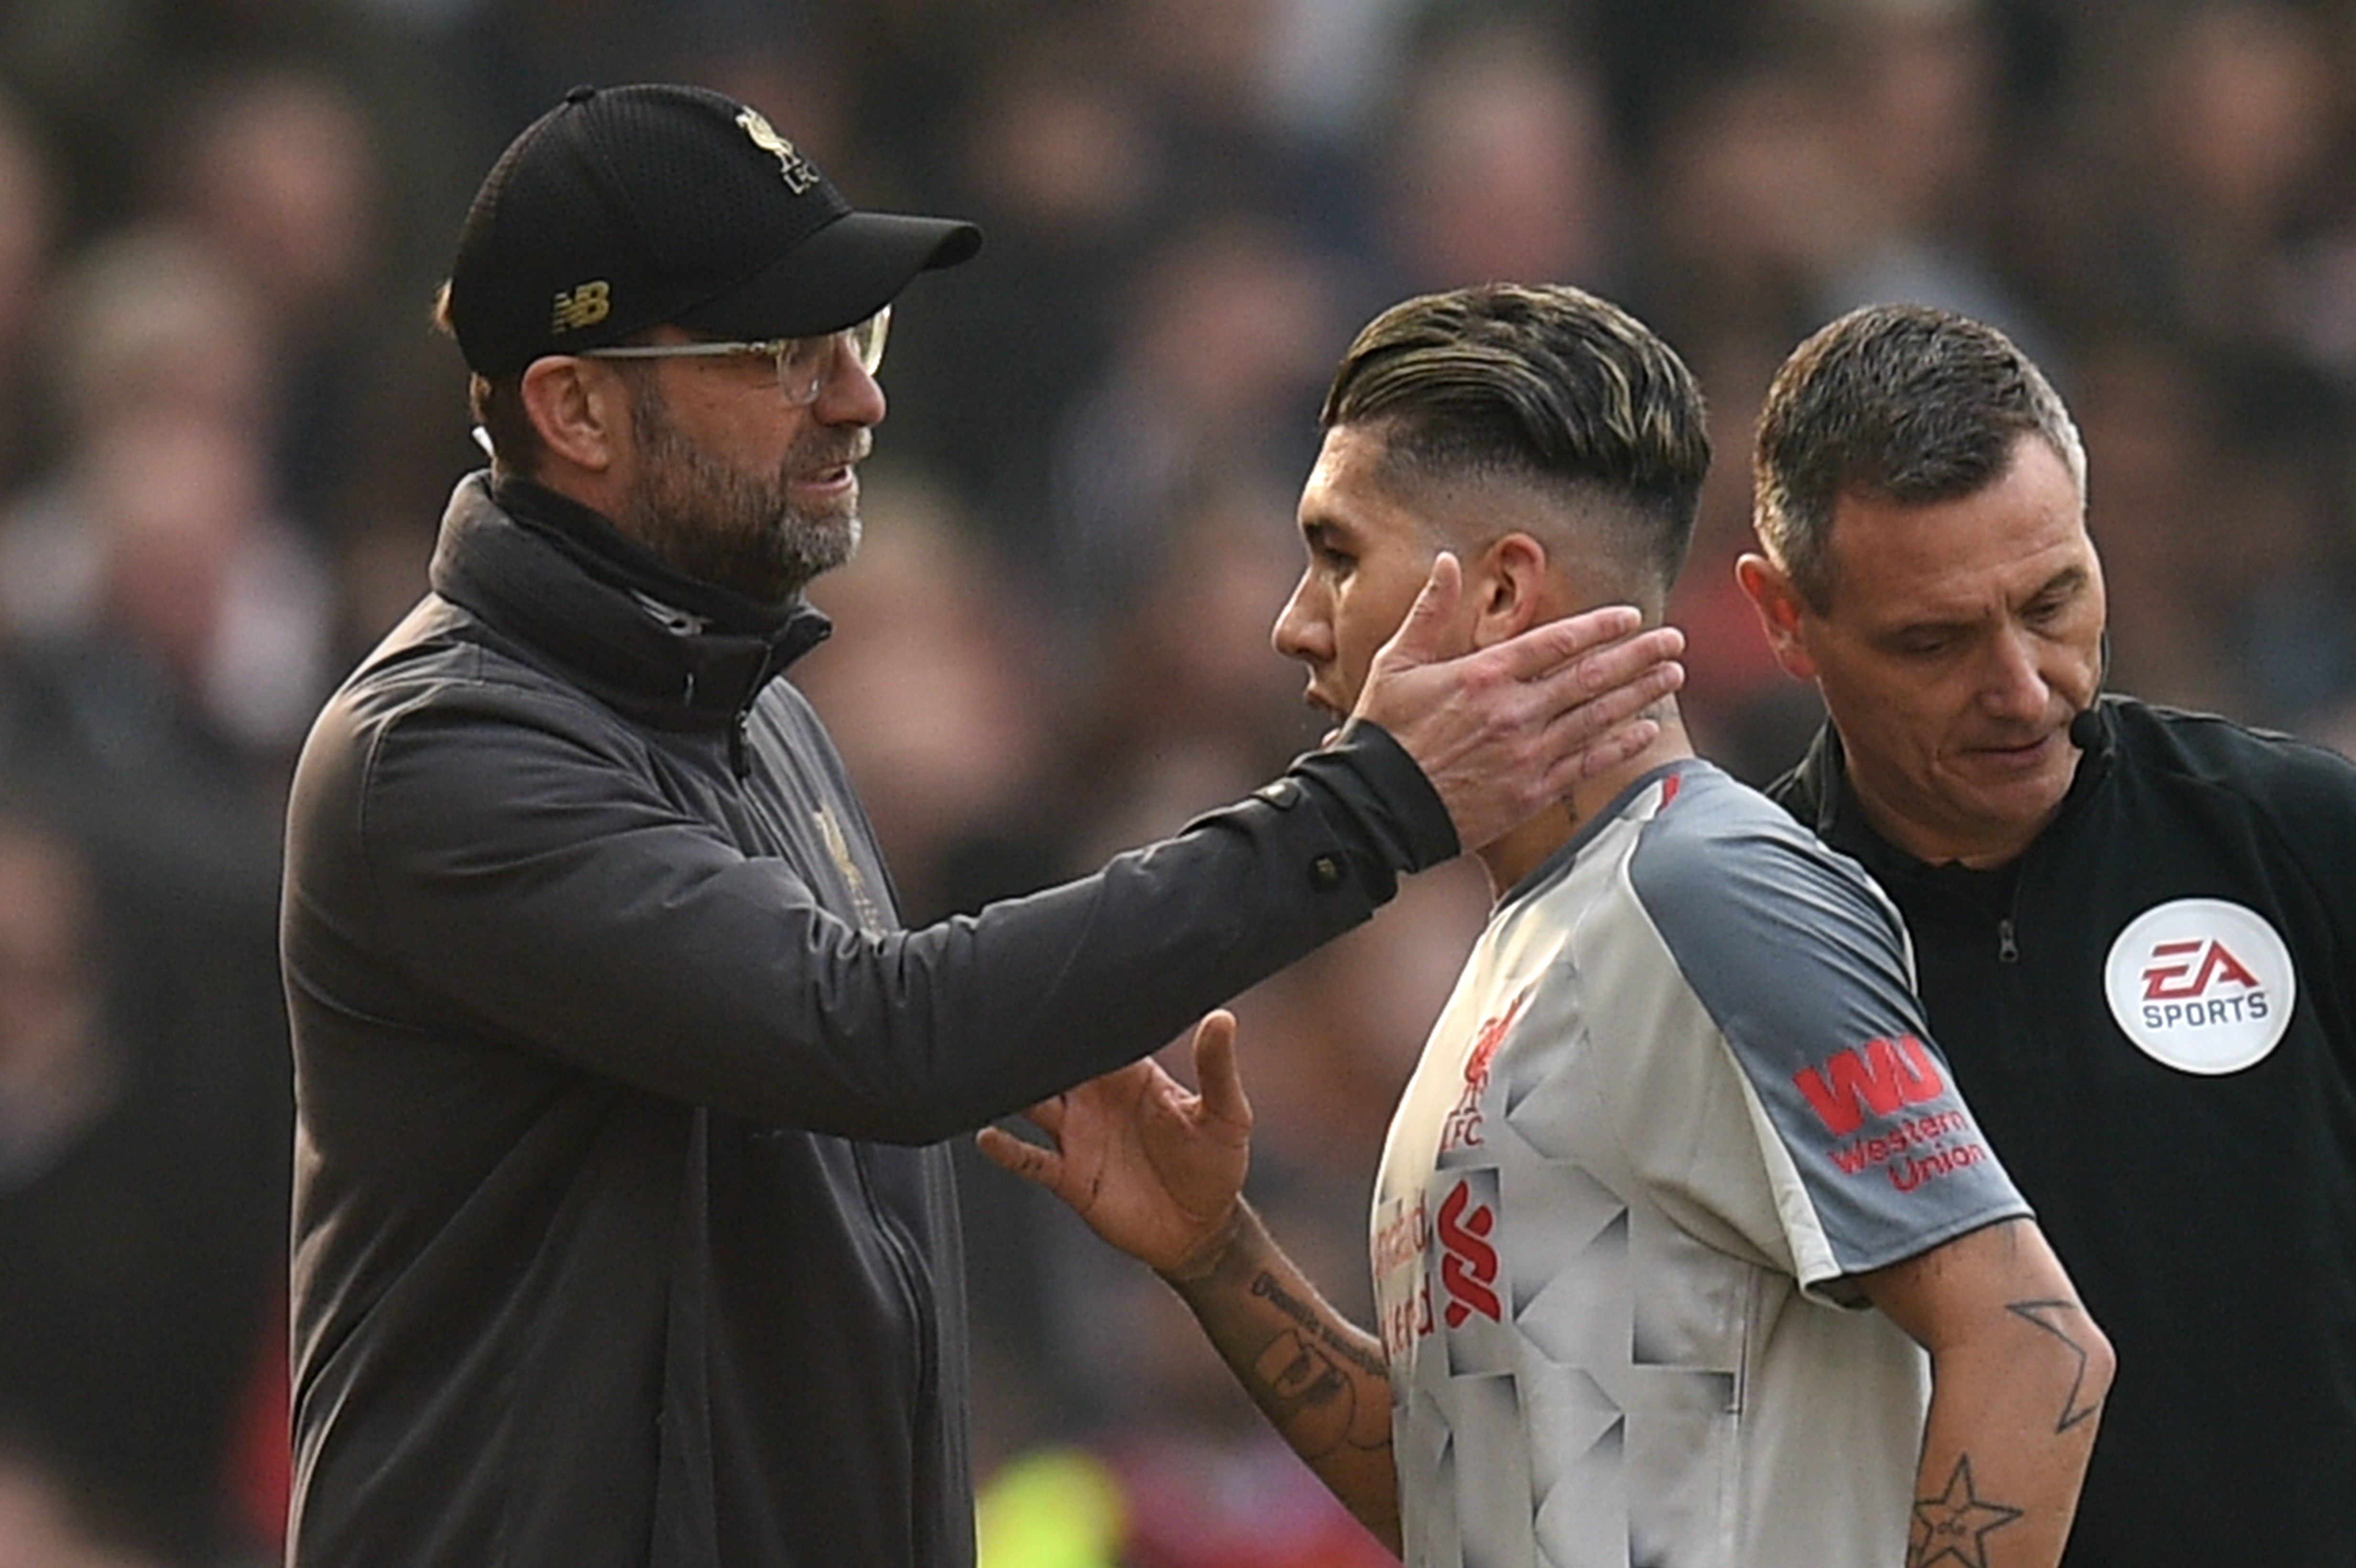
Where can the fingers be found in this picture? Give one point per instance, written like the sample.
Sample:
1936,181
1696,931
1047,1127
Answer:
1602,721
1418,639
1645,660
1222,1086
1031,1162
1600,634
1585,676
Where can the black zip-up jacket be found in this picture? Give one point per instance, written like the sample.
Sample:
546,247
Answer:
623,1231
2172,1084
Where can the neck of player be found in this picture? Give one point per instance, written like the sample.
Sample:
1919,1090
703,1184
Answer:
1526,847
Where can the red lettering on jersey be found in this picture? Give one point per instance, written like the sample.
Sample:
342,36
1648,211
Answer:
2163,978
1408,1321
1468,1265
1883,1077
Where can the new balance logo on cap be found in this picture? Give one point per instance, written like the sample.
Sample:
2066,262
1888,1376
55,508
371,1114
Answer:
585,306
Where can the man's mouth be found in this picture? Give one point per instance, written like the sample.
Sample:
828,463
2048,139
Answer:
2011,752
835,478
828,468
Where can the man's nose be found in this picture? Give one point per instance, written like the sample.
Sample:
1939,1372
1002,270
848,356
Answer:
2015,684
1297,633
850,394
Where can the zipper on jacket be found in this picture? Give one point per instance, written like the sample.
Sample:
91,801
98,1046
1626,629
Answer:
740,724
739,762
924,1312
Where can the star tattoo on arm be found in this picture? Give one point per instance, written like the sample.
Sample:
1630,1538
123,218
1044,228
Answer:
1956,1524
2050,1316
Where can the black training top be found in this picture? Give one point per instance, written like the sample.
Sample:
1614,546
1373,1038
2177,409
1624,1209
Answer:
623,1235
2153,1012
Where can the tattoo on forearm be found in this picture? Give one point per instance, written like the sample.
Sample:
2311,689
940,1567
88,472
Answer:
1954,1526
1302,1377
1305,1394
1265,1286
2053,1317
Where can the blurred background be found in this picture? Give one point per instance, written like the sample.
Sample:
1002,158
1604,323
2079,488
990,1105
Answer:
227,435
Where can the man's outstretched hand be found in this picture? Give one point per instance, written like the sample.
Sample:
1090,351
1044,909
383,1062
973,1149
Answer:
1504,732
1155,1170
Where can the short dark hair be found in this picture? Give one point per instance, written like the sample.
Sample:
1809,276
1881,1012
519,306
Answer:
1543,383
1901,402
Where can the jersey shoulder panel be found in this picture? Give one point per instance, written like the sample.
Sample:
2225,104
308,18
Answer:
1802,967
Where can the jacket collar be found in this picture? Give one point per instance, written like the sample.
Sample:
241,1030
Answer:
639,636
1819,793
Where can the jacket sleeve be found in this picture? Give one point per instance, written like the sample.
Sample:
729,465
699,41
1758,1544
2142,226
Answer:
506,871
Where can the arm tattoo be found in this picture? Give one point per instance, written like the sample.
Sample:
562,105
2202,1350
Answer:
2052,1315
1300,1312
1302,1377
1956,1524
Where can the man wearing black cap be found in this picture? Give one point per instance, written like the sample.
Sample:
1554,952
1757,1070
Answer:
623,1231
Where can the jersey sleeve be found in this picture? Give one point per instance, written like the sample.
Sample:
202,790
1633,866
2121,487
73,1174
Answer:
1802,966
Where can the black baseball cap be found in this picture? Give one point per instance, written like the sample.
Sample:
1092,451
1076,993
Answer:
627,207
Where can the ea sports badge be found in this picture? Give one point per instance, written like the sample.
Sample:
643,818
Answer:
2201,985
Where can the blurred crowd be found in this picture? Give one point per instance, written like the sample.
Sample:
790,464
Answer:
227,434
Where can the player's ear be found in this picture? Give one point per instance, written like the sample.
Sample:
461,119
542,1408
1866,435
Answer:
1507,586
1781,612
579,408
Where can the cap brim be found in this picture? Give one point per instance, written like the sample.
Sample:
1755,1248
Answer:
839,275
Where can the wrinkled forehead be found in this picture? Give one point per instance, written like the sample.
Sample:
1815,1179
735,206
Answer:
2000,545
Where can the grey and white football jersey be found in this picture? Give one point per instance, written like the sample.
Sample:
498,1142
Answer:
1681,1094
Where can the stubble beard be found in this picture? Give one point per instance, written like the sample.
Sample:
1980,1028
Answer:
730,526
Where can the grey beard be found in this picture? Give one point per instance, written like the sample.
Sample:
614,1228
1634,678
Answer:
725,526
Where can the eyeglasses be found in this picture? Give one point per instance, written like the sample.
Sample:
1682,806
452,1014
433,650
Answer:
804,365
